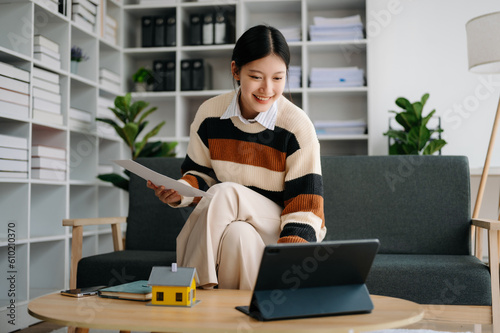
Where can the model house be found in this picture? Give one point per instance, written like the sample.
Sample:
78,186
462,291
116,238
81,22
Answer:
173,285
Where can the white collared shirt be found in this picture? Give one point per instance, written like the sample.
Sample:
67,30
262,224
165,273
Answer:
266,119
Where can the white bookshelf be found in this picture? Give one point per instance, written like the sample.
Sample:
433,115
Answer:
37,207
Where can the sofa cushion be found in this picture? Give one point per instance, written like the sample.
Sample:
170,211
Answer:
412,204
431,279
120,267
151,224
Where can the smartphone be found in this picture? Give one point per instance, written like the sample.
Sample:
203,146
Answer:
82,292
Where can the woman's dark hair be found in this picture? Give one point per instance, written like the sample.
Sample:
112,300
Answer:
259,42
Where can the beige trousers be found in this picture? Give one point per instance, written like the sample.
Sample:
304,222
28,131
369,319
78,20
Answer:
225,235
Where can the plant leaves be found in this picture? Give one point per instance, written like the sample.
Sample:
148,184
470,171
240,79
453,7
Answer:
426,119
137,108
131,130
147,113
397,135
117,128
120,114
116,179
417,109
419,136
407,120
153,132
404,104
424,99
434,146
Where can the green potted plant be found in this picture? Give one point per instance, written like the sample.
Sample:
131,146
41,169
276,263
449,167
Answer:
415,138
133,116
143,79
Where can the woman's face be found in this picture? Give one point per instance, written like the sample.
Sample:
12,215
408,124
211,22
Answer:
262,82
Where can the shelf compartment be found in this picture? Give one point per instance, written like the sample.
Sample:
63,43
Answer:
14,208
110,59
134,61
55,28
48,209
110,202
89,46
83,98
344,147
83,159
16,21
47,266
18,257
279,14
132,34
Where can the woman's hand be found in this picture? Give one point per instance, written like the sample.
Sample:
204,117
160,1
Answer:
167,196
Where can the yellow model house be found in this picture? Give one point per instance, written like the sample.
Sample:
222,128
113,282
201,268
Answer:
172,285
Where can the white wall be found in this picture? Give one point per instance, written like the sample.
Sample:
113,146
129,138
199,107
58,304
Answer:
419,46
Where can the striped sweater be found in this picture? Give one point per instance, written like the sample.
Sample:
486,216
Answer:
282,164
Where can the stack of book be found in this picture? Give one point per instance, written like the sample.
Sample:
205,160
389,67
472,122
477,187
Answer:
80,119
103,111
291,34
13,156
340,127
46,97
294,77
109,30
84,13
48,163
46,51
336,77
330,29
14,91
109,80
157,2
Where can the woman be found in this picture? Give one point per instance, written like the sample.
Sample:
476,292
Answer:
258,155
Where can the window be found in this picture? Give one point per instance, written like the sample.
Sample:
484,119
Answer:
178,297
159,296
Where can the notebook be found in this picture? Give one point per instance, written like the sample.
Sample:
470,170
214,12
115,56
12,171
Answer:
313,279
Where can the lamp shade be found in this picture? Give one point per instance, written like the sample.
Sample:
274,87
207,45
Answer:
483,43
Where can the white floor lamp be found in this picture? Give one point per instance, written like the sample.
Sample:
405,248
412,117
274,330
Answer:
483,48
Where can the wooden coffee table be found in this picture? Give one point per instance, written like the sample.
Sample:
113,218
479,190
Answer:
215,313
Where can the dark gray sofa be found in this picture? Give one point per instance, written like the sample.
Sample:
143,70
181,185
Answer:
417,206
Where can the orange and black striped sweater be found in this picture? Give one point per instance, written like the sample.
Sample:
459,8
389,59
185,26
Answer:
282,164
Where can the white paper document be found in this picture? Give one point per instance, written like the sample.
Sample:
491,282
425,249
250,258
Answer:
158,179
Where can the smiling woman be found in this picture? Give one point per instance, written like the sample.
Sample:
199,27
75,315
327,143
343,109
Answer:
257,154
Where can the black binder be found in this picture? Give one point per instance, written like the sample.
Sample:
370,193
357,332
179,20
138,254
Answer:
313,279
159,73
170,33
186,75
147,31
195,29
208,29
159,31
198,74
170,75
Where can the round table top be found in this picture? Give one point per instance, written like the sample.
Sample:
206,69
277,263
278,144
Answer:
214,313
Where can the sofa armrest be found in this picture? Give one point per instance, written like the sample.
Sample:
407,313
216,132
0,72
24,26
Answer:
77,238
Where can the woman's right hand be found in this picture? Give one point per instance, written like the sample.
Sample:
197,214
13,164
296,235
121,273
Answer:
167,196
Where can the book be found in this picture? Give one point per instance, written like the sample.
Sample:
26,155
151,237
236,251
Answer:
43,49
42,104
46,95
48,163
109,75
13,165
11,141
46,42
46,151
14,153
170,33
109,85
14,72
42,84
13,174
45,75
195,29
79,125
159,31
82,23
137,290
47,117
208,29
147,31
80,115
47,60
14,97
85,13
87,5
48,174
14,85
13,110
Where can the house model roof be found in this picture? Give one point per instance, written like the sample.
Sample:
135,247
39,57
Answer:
164,276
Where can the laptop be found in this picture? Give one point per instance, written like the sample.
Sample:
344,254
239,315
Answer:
313,279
